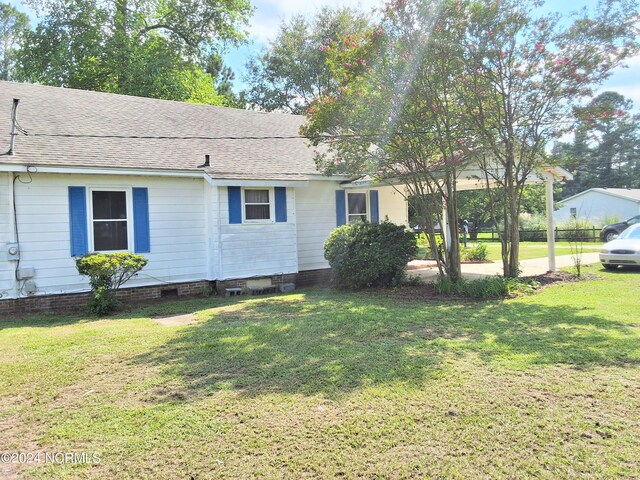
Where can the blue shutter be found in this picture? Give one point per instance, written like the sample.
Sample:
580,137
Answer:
235,204
141,238
373,204
341,208
78,221
281,204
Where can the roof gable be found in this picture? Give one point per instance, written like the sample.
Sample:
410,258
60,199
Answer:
632,194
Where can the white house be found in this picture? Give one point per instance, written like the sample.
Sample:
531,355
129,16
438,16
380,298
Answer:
599,204
93,172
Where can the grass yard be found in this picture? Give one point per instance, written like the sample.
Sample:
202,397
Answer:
322,384
528,250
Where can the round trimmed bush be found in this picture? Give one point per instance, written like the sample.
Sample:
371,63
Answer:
369,254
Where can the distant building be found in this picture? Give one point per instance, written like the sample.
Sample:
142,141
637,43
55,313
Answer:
600,204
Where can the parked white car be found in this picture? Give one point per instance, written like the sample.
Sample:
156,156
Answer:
624,250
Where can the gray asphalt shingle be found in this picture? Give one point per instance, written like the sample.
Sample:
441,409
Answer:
105,123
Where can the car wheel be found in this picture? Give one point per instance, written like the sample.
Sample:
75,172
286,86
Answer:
609,267
609,236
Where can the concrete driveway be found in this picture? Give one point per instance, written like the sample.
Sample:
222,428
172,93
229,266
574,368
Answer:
530,268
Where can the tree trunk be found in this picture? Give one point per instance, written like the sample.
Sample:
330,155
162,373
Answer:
122,55
453,255
510,255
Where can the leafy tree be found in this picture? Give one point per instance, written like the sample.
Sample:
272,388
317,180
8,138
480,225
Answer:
437,86
472,204
522,76
293,71
394,116
605,151
13,25
153,49
224,78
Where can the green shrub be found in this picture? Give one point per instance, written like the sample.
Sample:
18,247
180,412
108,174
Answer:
575,230
485,288
477,253
423,241
533,228
107,272
369,254
608,220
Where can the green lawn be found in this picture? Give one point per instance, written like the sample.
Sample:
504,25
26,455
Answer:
323,384
528,250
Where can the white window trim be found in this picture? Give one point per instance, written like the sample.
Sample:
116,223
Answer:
272,206
129,200
368,204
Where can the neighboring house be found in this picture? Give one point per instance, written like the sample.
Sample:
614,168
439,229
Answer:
104,172
600,205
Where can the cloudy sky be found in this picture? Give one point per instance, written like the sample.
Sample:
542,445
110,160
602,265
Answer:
269,14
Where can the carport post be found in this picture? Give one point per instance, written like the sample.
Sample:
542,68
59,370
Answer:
551,239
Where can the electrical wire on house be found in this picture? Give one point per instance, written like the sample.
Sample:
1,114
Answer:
16,178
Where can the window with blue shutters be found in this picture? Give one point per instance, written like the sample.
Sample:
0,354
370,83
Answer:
109,220
257,204
353,207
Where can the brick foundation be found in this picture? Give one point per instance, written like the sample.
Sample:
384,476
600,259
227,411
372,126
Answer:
75,302
315,278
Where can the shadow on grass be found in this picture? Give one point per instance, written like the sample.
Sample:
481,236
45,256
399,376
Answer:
159,308
330,343
44,320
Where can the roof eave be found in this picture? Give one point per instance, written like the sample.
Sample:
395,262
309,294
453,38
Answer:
35,168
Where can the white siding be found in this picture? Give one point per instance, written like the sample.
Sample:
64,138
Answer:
317,218
393,206
316,207
176,219
6,236
191,238
597,207
253,249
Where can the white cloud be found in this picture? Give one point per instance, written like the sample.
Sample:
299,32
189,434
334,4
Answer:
625,81
269,14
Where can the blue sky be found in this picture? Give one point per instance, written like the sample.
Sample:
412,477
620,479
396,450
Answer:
269,14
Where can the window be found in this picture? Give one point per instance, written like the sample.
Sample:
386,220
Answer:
634,220
573,212
109,220
257,205
356,207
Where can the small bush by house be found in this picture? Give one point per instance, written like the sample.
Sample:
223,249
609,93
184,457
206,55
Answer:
369,254
477,253
107,272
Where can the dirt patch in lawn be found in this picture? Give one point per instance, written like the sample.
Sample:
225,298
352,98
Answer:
176,320
552,278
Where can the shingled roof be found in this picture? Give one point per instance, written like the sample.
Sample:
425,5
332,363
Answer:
76,128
